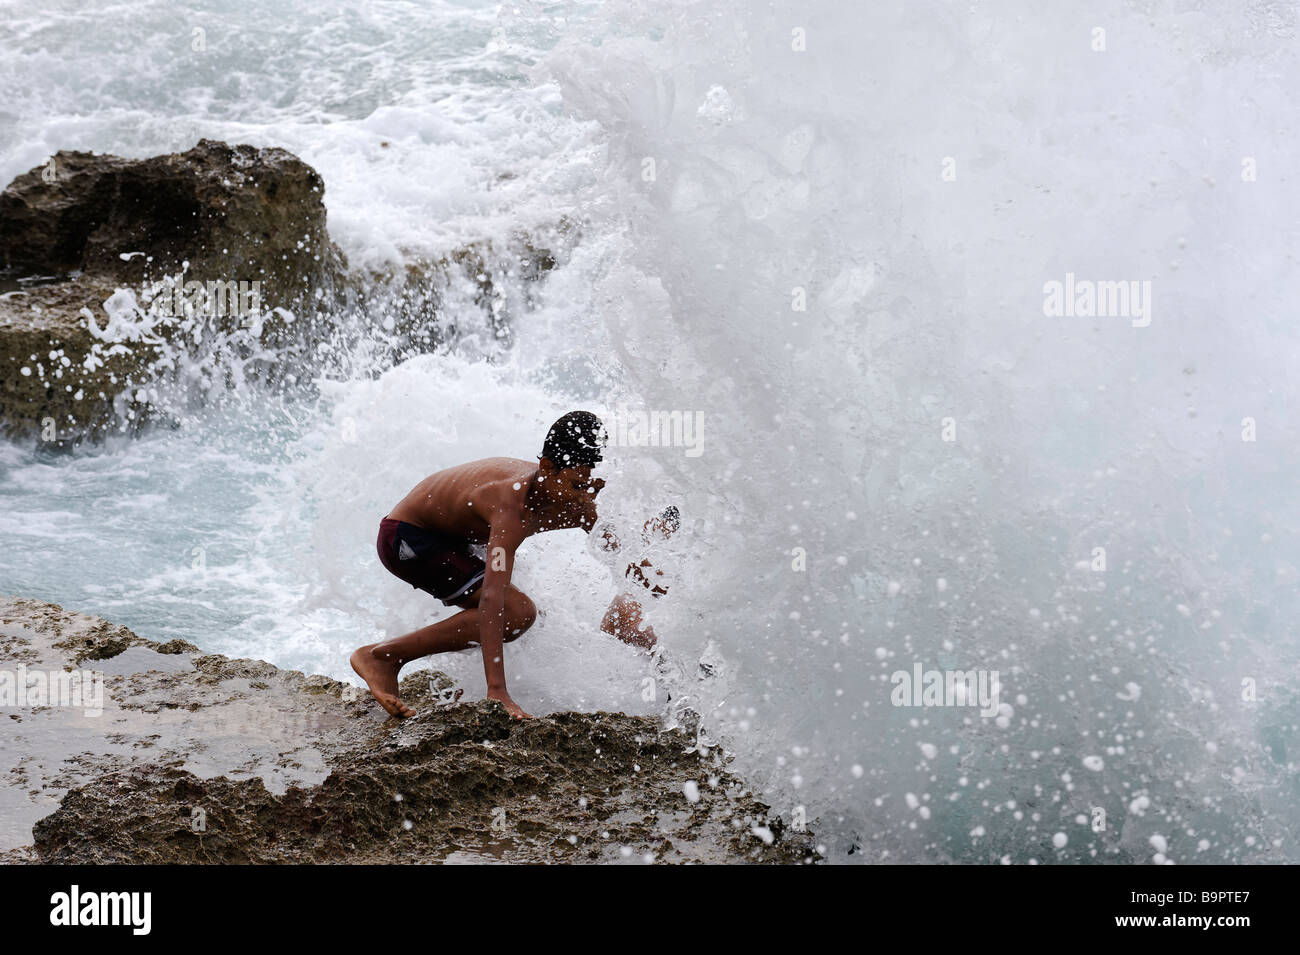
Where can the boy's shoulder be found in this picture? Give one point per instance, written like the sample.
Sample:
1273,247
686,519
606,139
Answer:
501,466
501,484
485,471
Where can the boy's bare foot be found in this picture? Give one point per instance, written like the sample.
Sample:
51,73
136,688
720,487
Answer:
381,676
513,708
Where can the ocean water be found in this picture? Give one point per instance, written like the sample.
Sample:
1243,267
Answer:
823,230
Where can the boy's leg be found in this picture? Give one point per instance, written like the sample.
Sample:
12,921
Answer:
379,663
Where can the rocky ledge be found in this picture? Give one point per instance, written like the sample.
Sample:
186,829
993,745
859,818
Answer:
189,757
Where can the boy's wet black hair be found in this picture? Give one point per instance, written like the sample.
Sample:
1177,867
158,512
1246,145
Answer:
575,440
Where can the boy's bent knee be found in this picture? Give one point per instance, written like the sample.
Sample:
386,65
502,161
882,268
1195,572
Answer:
521,612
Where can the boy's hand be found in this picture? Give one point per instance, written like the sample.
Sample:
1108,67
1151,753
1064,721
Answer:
610,539
513,708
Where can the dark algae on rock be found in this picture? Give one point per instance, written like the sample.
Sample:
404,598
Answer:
203,759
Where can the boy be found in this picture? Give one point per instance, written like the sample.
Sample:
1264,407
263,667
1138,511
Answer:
426,541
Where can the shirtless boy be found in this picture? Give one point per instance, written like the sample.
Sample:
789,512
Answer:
426,541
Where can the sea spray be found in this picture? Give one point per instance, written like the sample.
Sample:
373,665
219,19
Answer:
840,222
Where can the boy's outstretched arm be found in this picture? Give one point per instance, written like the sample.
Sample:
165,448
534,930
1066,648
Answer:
503,540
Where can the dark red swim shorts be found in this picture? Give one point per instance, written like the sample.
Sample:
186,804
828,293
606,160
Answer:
435,563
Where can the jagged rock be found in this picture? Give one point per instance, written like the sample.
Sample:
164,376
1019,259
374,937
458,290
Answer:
410,301
92,248
200,758
85,225
235,211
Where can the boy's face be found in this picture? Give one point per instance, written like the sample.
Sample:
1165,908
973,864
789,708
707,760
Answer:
573,487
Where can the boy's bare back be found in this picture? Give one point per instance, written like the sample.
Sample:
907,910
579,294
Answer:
462,501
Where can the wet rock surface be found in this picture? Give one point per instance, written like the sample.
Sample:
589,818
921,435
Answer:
199,758
218,207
